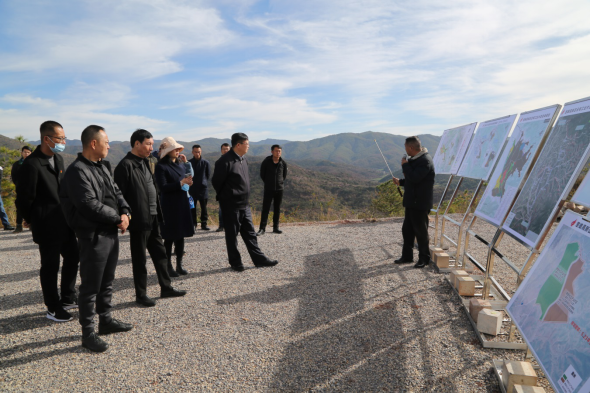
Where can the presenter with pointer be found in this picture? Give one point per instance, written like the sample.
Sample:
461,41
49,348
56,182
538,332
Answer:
418,184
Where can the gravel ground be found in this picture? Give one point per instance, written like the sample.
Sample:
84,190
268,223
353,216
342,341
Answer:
336,314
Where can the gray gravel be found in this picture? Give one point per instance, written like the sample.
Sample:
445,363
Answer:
335,315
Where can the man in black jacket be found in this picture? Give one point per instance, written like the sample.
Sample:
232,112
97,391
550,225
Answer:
37,199
95,208
232,184
273,172
418,185
199,190
16,166
224,149
136,182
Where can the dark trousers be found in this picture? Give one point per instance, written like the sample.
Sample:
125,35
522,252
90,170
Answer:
152,241
277,196
178,248
416,226
239,221
220,218
98,261
50,255
19,219
204,215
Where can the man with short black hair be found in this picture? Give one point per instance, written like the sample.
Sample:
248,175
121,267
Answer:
40,180
136,182
224,149
16,166
418,198
273,172
95,208
232,184
199,190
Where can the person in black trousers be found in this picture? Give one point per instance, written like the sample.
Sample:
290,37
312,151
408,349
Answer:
16,166
199,190
37,199
3,215
224,150
137,184
418,185
173,178
232,184
95,208
273,172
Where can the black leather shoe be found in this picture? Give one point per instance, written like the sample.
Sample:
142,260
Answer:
260,232
204,227
267,263
9,227
179,269
238,268
421,264
172,292
145,301
220,229
94,343
114,326
171,272
277,231
403,261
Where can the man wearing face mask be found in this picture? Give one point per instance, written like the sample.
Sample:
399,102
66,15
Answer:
39,204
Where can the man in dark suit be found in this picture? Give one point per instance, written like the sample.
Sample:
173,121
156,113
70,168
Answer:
273,172
37,200
95,208
16,166
136,181
232,184
199,190
418,184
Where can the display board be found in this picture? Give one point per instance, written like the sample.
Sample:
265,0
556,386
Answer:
451,149
553,175
582,195
485,147
513,165
551,307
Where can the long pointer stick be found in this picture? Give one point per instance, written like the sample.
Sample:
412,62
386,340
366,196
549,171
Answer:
398,189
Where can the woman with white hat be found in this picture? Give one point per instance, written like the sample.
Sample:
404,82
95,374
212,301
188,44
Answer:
174,176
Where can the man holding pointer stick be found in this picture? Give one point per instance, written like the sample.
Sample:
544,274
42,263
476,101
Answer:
418,183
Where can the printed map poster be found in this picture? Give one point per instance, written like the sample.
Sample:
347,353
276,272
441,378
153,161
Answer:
553,175
513,165
551,308
485,148
451,149
582,195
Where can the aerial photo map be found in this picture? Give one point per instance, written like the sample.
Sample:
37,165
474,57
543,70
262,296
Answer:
485,148
514,164
551,308
565,148
451,149
582,195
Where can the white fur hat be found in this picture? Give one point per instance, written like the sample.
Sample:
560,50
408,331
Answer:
167,145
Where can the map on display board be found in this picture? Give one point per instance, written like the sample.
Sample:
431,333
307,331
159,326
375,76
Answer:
485,148
451,149
514,163
551,307
553,175
582,195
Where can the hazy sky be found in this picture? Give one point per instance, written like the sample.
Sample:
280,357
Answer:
293,70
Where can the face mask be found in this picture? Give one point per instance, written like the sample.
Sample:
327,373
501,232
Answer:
185,187
58,148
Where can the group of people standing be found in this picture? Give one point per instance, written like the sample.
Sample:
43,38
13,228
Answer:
77,214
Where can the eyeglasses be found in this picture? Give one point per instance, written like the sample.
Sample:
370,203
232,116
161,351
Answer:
59,139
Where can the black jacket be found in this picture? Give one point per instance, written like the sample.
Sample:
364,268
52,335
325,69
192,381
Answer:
16,166
231,180
37,196
273,175
418,183
82,198
129,176
199,189
178,221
